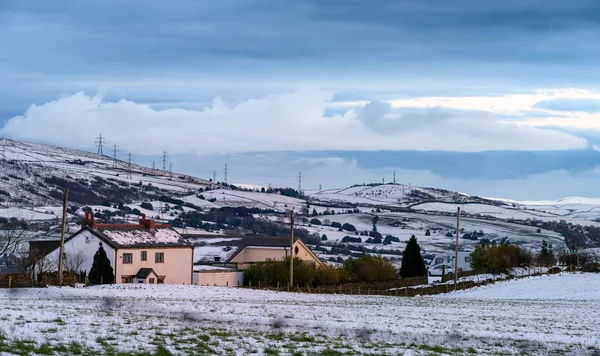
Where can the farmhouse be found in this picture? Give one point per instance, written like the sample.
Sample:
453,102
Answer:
138,253
241,252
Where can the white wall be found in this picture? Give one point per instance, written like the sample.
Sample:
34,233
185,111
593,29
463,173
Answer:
88,243
219,278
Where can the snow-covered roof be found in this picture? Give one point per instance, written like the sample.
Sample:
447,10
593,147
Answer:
141,237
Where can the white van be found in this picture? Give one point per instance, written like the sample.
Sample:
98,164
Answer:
464,263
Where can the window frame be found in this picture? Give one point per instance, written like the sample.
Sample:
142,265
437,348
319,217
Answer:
161,259
130,255
144,256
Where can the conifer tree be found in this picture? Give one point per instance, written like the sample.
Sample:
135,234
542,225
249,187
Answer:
412,261
101,271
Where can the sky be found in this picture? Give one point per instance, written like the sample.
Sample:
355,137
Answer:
497,99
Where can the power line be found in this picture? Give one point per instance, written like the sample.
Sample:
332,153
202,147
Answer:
226,170
164,161
299,182
100,144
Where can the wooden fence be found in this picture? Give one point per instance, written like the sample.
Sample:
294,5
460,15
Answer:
382,289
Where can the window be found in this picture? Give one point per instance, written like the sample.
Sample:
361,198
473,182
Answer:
159,257
161,279
468,259
439,260
151,280
144,256
127,258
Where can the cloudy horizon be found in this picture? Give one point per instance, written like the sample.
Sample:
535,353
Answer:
490,99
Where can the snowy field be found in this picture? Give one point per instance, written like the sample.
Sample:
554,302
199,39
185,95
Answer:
538,316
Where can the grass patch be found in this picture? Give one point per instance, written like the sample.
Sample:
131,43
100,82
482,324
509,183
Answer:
436,348
270,351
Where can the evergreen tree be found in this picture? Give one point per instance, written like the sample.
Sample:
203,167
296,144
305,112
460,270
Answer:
412,261
545,256
101,271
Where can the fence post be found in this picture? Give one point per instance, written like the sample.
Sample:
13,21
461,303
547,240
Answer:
340,289
250,284
9,281
278,286
358,290
369,291
307,287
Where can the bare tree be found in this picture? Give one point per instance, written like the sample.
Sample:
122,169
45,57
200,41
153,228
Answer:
74,261
13,232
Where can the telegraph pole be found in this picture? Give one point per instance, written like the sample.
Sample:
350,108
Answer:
153,165
300,183
100,144
291,249
226,170
214,176
61,251
320,188
456,252
394,177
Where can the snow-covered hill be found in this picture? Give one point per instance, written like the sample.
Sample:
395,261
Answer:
35,174
395,195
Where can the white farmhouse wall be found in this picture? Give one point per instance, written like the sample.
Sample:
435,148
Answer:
88,243
219,278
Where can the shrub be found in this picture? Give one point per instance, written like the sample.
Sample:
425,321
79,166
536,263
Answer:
351,239
315,222
498,258
147,206
348,227
369,268
336,224
324,237
272,272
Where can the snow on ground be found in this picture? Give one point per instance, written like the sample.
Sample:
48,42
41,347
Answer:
564,286
537,316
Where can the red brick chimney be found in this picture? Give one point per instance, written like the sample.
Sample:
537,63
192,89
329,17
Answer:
147,223
89,220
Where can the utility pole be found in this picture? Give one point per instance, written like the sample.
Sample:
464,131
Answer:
226,170
291,249
61,251
115,156
153,165
129,176
300,183
214,176
394,177
164,161
100,144
320,188
456,252
382,180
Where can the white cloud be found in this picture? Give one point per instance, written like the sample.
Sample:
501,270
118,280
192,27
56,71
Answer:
292,121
